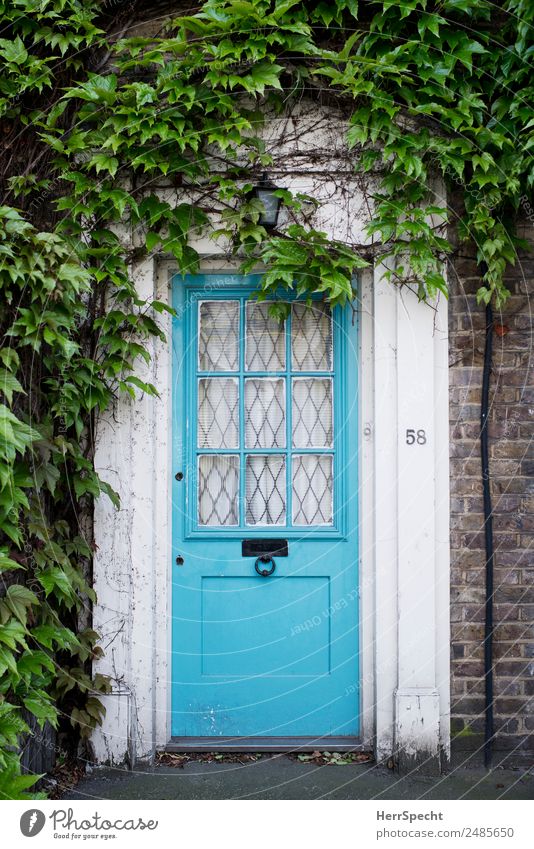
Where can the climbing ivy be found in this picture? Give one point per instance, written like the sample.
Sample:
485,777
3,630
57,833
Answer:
92,119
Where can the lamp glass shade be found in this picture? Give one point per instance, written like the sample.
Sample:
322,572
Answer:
271,205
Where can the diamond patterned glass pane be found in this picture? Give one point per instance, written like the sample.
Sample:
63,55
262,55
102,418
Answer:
311,337
218,336
218,412
218,489
265,419
312,412
265,340
312,489
265,484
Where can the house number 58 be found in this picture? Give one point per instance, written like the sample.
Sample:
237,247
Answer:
415,437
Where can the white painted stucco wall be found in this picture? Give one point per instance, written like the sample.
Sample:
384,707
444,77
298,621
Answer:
404,496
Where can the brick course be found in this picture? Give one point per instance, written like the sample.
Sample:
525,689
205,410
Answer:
512,488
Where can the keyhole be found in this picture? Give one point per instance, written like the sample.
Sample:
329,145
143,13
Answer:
180,560
179,476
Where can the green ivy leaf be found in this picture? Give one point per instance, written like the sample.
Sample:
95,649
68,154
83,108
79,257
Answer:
105,162
13,634
263,75
42,709
9,384
18,600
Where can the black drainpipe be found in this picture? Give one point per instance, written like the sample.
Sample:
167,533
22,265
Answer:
488,535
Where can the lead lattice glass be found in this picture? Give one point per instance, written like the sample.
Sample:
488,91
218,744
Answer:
311,337
218,336
265,419
312,412
265,415
265,491
218,488
265,340
218,412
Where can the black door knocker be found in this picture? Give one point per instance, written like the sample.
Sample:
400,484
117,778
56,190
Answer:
265,558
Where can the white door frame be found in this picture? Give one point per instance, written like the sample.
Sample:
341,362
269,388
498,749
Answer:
404,540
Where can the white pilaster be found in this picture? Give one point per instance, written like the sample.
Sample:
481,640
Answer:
385,511
411,522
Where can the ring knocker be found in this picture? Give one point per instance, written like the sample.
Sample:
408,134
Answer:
265,558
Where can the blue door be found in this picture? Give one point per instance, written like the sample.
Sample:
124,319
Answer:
264,573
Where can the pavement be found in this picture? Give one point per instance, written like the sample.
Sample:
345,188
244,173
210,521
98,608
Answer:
281,777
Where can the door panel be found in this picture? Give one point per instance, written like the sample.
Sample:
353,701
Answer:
265,434
252,638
